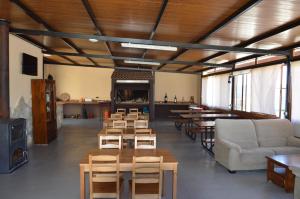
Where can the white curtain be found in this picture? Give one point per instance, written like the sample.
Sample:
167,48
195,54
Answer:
215,91
264,82
204,91
296,97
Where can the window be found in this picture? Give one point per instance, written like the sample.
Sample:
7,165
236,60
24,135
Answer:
216,91
242,94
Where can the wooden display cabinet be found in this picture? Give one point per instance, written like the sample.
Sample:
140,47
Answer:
43,111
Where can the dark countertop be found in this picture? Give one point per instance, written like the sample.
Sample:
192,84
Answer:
173,103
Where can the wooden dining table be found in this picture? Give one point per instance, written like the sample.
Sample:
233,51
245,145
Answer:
128,133
126,156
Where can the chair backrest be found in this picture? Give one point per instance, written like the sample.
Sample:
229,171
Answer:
119,124
145,142
141,124
142,131
116,116
112,131
110,142
133,110
133,116
147,170
104,169
121,110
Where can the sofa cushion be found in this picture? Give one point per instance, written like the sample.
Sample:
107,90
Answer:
240,132
255,156
273,132
286,150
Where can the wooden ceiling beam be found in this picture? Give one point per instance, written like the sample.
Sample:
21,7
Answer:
160,14
92,16
255,39
39,20
250,4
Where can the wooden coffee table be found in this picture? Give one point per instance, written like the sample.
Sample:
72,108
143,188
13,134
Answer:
278,170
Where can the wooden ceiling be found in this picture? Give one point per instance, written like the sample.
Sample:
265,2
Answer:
240,23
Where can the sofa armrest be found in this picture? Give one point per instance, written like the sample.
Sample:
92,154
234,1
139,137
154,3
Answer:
231,145
294,141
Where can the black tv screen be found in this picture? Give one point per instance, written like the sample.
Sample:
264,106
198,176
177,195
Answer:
29,65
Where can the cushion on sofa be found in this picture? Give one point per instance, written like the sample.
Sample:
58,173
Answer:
273,132
240,132
286,150
255,156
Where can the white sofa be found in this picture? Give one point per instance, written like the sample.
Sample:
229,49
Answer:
244,144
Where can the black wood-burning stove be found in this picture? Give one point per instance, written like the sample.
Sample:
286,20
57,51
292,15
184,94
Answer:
13,144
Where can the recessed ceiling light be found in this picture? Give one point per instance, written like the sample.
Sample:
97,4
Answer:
93,40
47,55
152,47
141,62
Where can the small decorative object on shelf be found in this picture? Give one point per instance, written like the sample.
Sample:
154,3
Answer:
175,99
166,98
192,99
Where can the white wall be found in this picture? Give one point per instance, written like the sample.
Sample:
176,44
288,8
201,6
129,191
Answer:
81,81
20,84
181,85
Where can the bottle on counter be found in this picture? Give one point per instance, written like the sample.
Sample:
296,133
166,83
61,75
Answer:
175,99
182,99
166,98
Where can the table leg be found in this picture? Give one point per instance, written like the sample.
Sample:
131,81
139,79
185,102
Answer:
270,169
82,183
174,183
289,181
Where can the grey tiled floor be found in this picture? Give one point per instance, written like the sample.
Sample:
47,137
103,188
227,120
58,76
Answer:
53,170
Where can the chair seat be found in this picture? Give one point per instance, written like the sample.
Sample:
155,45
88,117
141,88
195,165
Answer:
106,187
149,188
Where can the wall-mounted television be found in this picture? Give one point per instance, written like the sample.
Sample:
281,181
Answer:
29,65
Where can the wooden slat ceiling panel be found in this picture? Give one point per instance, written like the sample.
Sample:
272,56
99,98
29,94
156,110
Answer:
58,59
193,69
132,19
63,15
280,40
105,62
87,45
186,21
265,16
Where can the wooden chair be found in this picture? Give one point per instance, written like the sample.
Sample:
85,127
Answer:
116,116
133,110
141,124
142,131
145,142
104,179
121,111
110,142
119,124
147,177
130,118
114,131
